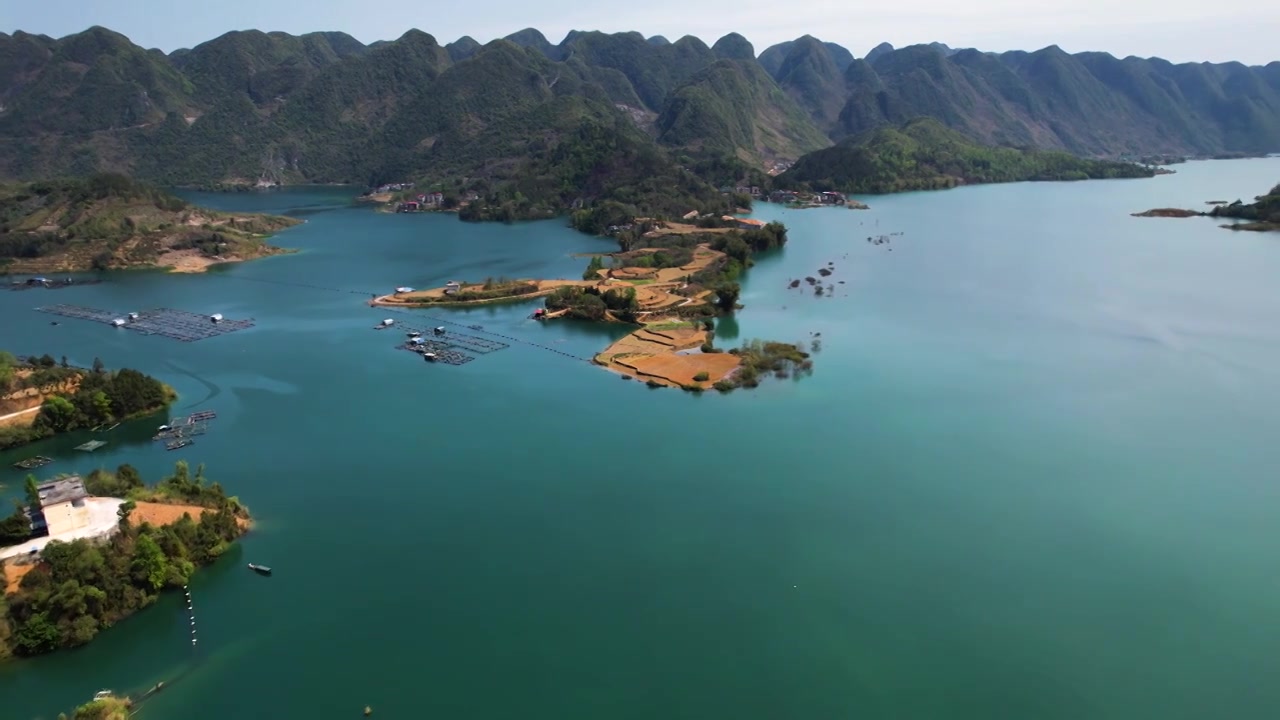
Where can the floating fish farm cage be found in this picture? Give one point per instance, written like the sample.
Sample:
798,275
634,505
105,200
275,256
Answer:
165,322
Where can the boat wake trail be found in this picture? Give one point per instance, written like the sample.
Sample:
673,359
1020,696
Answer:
214,390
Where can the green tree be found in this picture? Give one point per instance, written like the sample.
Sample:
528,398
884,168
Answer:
98,367
32,489
57,413
727,295
7,365
15,528
149,565
101,406
128,476
593,268
36,635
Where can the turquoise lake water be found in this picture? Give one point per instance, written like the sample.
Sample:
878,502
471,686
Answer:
1032,476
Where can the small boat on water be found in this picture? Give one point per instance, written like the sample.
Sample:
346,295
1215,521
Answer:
260,569
178,444
103,694
429,357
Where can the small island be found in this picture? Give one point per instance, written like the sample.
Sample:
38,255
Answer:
670,279
109,222
41,397
106,546
105,707
1261,215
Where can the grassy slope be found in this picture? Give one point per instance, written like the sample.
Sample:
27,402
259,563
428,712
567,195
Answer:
735,108
110,221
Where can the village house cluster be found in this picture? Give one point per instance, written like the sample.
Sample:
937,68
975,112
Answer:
426,202
394,187
792,197
787,196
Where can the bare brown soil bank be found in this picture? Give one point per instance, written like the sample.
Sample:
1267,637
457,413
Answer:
667,353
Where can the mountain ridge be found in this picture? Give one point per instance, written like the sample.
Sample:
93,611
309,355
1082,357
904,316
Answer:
323,107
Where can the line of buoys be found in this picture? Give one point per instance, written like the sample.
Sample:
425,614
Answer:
191,613
296,284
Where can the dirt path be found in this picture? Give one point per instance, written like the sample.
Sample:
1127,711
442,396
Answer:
22,417
13,576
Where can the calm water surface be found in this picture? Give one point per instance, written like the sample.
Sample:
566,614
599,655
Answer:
1033,475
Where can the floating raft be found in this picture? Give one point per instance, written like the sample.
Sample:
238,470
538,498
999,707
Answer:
197,423
91,445
178,444
50,284
165,322
450,347
443,353
193,418
182,431
32,463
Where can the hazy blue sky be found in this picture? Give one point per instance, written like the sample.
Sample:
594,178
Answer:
1179,30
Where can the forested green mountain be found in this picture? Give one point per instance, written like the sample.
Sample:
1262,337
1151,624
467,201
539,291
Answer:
925,155
733,108
561,121
1088,103
774,55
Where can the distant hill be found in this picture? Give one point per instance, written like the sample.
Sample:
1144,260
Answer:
323,107
1088,103
774,55
109,221
925,155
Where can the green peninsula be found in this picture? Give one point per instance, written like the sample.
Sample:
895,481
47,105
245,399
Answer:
668,279
923,154
110,221
40,397
68,593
